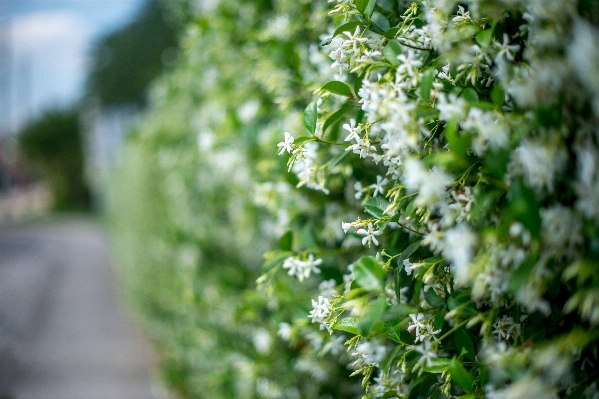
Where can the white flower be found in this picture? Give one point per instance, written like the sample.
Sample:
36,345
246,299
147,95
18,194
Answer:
354,40
426,354
379,186
369,235
322,309
284,331
505,49
458,246
408,62
353,130
286,144
302,269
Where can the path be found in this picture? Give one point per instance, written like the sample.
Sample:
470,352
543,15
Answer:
63,334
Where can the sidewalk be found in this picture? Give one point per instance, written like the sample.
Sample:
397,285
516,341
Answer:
63,333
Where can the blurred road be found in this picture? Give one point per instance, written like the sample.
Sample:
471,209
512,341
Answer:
63,333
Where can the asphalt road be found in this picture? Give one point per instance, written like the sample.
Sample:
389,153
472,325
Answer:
63,332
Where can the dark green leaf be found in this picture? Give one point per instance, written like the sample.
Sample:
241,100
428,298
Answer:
413,247
458,143
310,117
524,206
380,21
462,340
398,311
426,84
366,7
433,299
349,324
391,33
387,361
470,95
495,163
484,37
337,87
439,365
460,376
391,51
286,241
369,274
335,117
373,316
521,275
497,94
376,206
348,27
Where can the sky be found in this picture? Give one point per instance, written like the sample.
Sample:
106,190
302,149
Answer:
44,48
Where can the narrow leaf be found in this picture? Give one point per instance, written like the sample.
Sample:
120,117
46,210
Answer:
310,117
460,376
439,365
462,341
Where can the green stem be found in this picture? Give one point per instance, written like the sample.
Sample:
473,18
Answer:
454,329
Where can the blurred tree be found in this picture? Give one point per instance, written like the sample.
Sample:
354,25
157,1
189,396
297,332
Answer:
53,146
127,60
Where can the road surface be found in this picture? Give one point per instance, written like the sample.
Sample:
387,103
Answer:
63,332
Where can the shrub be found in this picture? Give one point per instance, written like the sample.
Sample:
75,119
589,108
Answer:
444,225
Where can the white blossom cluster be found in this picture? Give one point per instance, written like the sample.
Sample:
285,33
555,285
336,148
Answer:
475,137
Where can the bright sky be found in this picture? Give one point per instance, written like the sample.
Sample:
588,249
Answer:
43,51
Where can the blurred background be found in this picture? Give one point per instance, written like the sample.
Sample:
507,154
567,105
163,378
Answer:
73,77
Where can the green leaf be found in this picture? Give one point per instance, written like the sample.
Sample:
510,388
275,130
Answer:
391,51
337,87
496,161
376,206
349,324
348,27
286,241
369,274
380,21
391,33
336,159
310,117
366,7
433,299
302,139
398,311
524,206
460,376
521,275
439,365
462,341
373,316
426,83
387,361
484,38
335,117
413,247
470,95
458,143
497,94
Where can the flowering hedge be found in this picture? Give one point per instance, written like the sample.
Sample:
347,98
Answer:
435,204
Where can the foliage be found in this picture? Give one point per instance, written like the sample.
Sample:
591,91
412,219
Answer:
53,147
443,225
124,62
